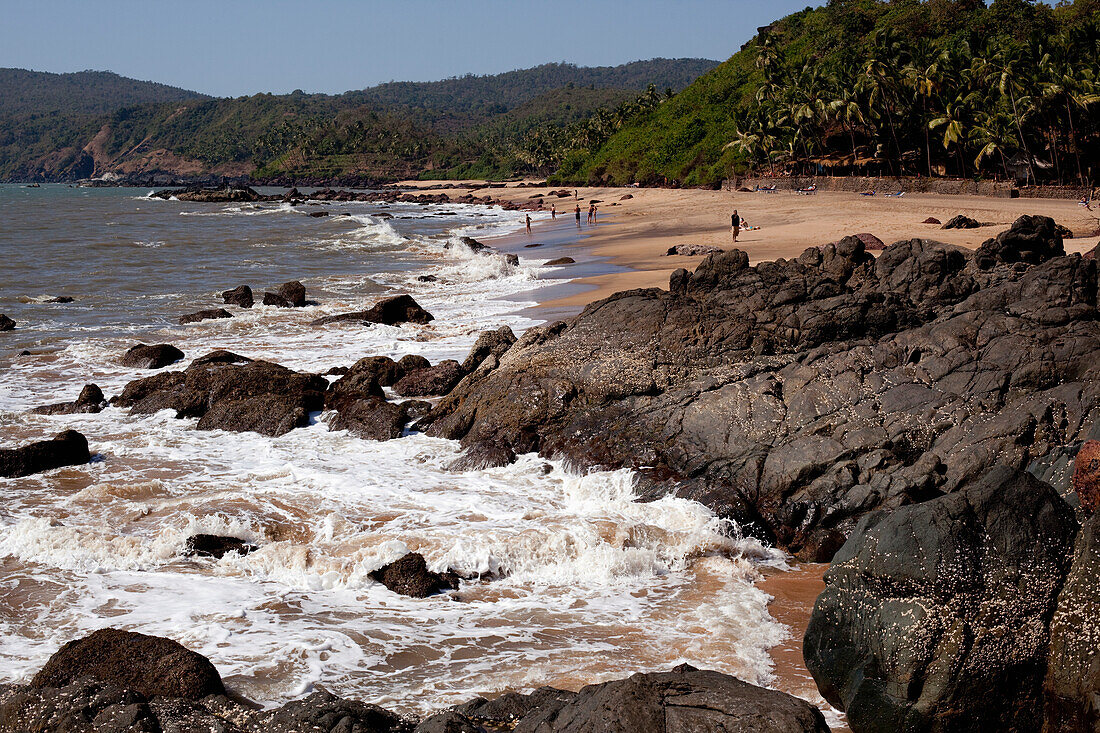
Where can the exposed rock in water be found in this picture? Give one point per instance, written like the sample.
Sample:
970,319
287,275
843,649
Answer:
243,194
435,380
220,356
560,261
149,665
796,396
67,448
489,343
473,244
216,546
417,409
6,324
323,711
412,362
962,222
390,311
156,356
316,214
81,707
90,400
410,576
60,299
205,315
371,418
480,456
427,278
240,295
276,300
936,617
692,250
294,293
258,396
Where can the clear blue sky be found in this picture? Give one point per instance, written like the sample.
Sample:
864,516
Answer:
235,47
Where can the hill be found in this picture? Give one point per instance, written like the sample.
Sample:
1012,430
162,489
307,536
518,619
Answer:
84,92
941,87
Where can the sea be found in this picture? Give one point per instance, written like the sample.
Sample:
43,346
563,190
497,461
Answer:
579,583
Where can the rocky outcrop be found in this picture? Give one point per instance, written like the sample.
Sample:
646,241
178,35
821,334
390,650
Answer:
290,295
936,617
67,448
410,576
240,295
6,324
691,250
86,706
489,343
1031,240
796,396
276,300
205,316
371,418
389,311
220,356
961,222
323,711
434,380
60,299
149,665
90,400
226,194
156,356
871,243
258,396
216,546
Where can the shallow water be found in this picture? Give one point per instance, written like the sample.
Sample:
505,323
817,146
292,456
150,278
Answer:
581,583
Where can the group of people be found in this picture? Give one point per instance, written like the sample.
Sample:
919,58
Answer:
592,211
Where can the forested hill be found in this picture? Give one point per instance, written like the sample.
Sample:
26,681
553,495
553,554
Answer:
25,92
934,87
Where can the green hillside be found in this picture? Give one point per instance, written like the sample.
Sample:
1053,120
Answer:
942,87
86,92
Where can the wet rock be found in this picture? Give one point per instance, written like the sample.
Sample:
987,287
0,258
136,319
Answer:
372,418
294,293
473,244
512,259
560,261
506,710
60,299
427,278
435,380
412,362
626,197
316,214
216,546
205,315
410,576
6,324
961,222
389,311
220,356
156,356
384,369
489,343
363,380
480,456
226,194
149,665
67,448
84,706
90,400
936,616
449,722
1072,686
1086,477
1064,232
276,300
323,711
241,296
417,409
691,250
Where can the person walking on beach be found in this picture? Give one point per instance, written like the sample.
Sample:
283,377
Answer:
577,213
594,212
735,225
528,223
553,211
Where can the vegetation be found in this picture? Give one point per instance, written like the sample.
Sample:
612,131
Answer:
905,87
86,92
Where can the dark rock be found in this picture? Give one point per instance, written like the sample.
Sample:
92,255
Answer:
67,448
1063,231
1030,239
512,259
961,222
205,315
410,576
212,545
385,370
507,709
243,194
489,343
220,356
532,245
60,299
871,243
435,380
416,409
318,213
364,380
241,295
258,396
155,356
935,617
1072,686
294,293
626,197
149,665
480,456
324,712
692,250
6,324
412,362
390,311
337,371
560,261
473,244
931,220
449,722
371,418
427,278
85,706
276,300
1086,477
90,400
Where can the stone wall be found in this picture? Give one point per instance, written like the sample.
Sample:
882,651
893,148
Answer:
854,184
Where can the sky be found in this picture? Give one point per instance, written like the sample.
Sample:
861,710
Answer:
239,47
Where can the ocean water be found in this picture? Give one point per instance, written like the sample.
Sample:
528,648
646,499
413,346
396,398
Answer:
582,584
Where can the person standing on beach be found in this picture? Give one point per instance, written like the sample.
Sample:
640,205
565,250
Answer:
735,225
528,223
594,212
553,211
577,213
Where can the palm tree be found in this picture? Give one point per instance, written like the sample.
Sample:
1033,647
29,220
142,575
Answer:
1004,68
923,75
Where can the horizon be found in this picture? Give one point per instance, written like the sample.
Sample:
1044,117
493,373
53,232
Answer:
343,46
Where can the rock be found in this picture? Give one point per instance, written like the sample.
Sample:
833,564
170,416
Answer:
1063,231
205,315
489,343
362,381
427,278
258,396
1086,477
241,295
935,617
931,220
871,243
416,409
90,400
323,711
796,396
449,722
692,250
276,300
149,665
390,311
226,194
626,197
60,299
480,456
67,448
1072,686
155,356
212,545
410,576
473,244
435,380
372,418
507,709
84,706
294,293
6,324
316,214
559,261
1030,239
961,222
412,362
220,356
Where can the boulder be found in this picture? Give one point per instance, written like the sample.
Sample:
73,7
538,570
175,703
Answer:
931,220
427,278
323,711
156,356
67,448
216,546
1072,686
410,576
372,418
60,299
1086,477
220,356
205,315
90,400
416,409
276,300
871,243
85,706
559,261
6,324
362,381
936,616
448,722
435,380
316,214
480,456
149,665
389,311
506,710
692,250
294,293
961,222
473,244
489,343
1030,239
626,197
241,296
412,362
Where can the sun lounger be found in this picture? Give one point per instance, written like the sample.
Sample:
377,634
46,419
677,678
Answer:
808,191
897,195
